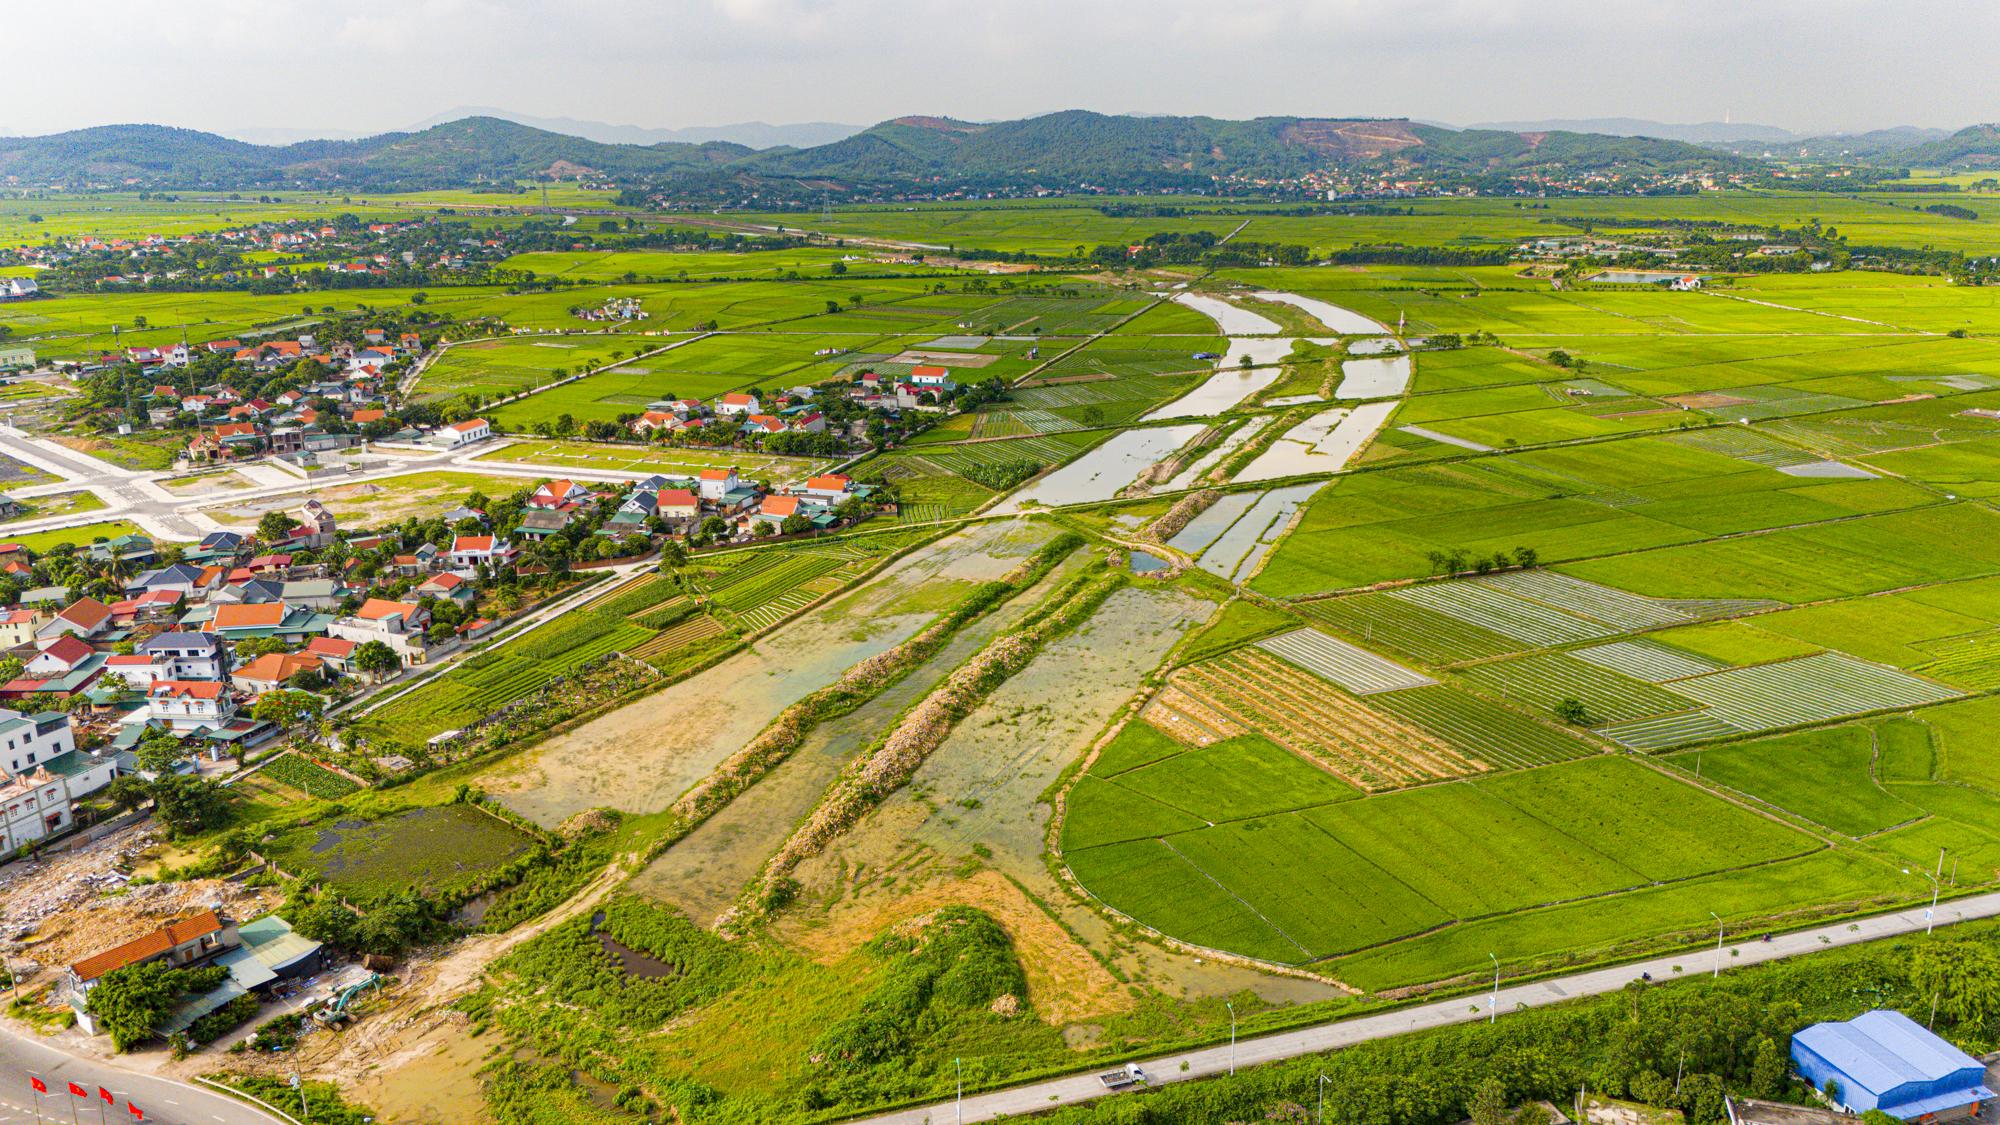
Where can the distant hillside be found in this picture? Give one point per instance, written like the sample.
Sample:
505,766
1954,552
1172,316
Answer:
1976,146
1877,145
751,134
1059,149
1702,133
1095,147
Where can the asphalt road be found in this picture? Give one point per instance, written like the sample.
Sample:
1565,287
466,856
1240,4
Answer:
163,1099
1211,1061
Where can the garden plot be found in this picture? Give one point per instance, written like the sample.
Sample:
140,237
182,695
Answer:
1352,667
1503,613
1500,737
1238,549
1103,472
1324,443
430,850
1546,679
1382,377
1809,689
1408,628
1589,599
1346,322
1827,470
1248,690
1647,660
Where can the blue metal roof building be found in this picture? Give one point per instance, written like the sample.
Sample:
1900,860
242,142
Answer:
1884,1060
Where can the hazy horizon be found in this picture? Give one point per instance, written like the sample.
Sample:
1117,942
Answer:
1829,66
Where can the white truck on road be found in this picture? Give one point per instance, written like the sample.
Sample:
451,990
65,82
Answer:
1128,1075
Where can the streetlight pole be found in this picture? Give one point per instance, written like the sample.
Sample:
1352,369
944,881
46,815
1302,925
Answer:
958,1068
1232,1036
1718,944
1319,1116
1930,916
1493,1004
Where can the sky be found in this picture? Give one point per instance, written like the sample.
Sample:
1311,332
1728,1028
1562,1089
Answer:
362,66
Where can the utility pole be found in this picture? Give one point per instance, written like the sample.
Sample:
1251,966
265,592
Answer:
1232,1036
958,1068
1493,1003
1718,944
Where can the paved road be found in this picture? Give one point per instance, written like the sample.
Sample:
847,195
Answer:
1212,1061
163,1099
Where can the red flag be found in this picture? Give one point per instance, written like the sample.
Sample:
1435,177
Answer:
78,1091
40,1086
106,1095
135,1111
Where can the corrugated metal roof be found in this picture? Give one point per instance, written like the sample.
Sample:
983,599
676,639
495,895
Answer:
1937,1103
1882,1050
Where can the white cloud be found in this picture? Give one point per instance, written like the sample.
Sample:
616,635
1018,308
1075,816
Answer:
377,64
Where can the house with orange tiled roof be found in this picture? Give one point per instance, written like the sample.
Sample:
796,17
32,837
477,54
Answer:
187,705
183,943
556,495
400,625
737,402
84,617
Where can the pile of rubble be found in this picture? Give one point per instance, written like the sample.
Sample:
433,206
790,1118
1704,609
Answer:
65,906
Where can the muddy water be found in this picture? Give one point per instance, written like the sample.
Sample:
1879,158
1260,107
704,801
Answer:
1102,472
703,873
1234,320
1323,443
645,754
1381,377
1347,322
978,798
1232,382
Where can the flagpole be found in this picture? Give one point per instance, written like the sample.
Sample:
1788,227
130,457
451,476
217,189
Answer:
38,1098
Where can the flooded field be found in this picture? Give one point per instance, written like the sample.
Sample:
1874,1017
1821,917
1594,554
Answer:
1232,382
643,755
1234,320
1193,474
1382,377
1235,551
703,873
1101,473
1346,322
1323,443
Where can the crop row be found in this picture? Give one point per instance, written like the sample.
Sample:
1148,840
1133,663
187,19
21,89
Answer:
310,778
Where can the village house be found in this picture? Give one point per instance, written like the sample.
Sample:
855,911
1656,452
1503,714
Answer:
718,483
188,705
736,402
470,552
271,671
558,494
462,433
18,627
400,625
183,944
58,657
85,617
539,523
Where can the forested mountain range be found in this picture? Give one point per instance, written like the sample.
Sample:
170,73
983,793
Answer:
1066,149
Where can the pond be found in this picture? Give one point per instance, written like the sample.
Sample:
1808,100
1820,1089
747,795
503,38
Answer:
1347,322
1103,472
1143,563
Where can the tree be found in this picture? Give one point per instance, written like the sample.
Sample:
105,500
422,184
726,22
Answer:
1560,358
1571,710
795,524
128,792
129,1003
377,658
1488,1104
1963,977
1527,557
272,527
288,708
188,806
159,752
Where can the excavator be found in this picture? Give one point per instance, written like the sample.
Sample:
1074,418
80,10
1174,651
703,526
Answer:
335,1011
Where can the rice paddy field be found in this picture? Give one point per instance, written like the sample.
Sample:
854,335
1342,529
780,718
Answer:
1651,604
